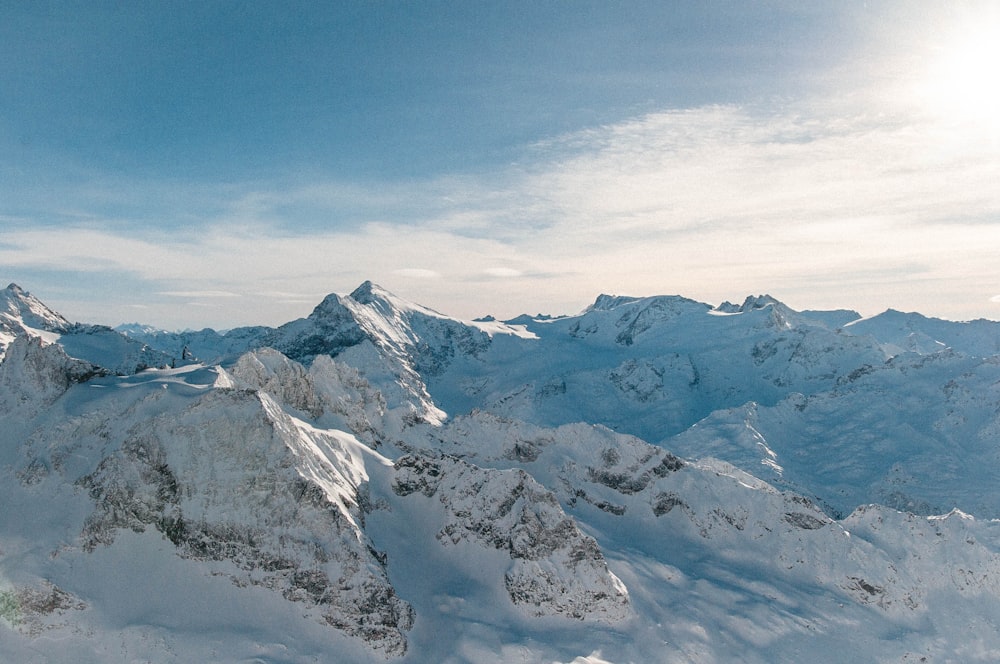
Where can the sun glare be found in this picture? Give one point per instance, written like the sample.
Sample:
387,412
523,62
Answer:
962,84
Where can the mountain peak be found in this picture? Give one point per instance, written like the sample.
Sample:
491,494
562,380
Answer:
373,296
339,307
605,302
759,302
367,292
17,304
751,303
331,306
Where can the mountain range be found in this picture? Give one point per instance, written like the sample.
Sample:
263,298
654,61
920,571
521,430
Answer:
654,479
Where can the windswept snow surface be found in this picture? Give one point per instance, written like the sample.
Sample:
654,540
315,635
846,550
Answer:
652,480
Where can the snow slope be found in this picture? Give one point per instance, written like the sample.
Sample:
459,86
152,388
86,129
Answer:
652,480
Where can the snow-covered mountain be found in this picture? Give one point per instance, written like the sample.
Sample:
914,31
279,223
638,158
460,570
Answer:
654,479
23,314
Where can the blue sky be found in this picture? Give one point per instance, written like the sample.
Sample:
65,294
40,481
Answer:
223,163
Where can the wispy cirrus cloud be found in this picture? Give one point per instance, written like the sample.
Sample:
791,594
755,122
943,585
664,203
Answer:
706,199
503,272
199,294
417,273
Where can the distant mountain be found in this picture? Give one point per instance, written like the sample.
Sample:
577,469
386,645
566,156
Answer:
654,479
902,332
136,329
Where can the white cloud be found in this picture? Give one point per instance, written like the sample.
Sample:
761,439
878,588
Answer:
199,293
502,272
417,273
849,209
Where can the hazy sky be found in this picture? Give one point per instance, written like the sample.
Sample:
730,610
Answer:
222,163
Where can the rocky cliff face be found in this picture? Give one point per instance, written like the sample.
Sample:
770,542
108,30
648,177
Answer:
554,570
34,374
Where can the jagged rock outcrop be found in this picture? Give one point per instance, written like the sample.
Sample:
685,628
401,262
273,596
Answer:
270,371
34,374
344,392
35,610
555,569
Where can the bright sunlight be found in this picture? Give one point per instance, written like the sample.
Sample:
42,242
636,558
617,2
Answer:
962,84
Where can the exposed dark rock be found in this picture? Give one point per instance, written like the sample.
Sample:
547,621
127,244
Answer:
666,501
555,568
804,521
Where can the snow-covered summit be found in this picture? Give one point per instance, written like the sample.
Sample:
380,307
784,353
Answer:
395,309
23,314
18,307
605,302
910,331
751,302
374,314
136,329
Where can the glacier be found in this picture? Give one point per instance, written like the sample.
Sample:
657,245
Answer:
653,479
